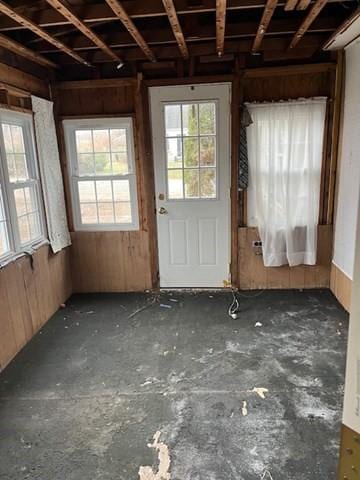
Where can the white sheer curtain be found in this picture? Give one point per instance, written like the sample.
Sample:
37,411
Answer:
285,145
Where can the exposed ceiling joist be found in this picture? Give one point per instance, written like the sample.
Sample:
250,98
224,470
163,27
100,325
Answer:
290,5
80,25
23,51
264,23
239,30
176,27
314,12
220,26
120,12
303,4
346,33
25,22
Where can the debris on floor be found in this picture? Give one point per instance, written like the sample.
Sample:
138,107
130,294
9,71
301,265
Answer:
258,324
164,305
259,391
266,475
244,409
147,473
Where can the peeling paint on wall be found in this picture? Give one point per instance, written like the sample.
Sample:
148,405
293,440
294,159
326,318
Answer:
147,473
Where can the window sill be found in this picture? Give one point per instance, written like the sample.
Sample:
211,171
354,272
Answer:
27,251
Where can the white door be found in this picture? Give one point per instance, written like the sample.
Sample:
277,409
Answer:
191,144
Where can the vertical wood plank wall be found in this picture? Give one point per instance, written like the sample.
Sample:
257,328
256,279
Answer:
29,296
114,261
273,86
341,286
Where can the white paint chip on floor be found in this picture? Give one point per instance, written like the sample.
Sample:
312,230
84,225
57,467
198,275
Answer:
259,391
147,473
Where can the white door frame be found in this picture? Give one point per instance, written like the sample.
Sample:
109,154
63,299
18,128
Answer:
221,94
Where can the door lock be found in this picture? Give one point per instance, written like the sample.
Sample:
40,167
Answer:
163,211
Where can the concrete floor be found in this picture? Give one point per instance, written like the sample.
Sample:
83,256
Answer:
83,400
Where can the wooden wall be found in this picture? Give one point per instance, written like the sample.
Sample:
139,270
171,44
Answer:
113,261
253,274
29,296
341,286
281,84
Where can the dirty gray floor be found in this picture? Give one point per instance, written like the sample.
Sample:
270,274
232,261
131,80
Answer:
83,400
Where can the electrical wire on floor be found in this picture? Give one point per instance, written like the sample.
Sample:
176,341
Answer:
235,304
266,475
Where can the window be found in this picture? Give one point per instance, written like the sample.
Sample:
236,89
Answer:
21,213
102,171
285,144
191,150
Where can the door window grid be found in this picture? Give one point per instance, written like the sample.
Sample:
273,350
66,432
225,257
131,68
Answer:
191,150
103,180
21,222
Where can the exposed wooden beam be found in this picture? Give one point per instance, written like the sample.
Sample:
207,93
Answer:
290,5
120,12
19,49
238,30
80,25
347,24
264,23
25,22
220,26
100,12
303,4
176,27
314,12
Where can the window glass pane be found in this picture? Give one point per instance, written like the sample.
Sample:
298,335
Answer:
123,212
84,143
34,225
17,167
88,212
190,119
86,163
120,163
207,151
207,118
87,192
191,152
175,183
174,152
101,140
24,229
20,202
7,138
207,182
106,212
104,191
191,180
103,164
118,140
17,139
121,190
172,120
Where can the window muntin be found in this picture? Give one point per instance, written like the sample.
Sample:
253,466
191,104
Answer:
21,214
101,154
191,150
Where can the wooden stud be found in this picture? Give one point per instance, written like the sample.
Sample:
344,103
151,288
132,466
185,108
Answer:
23,51
264,23
176,27
220,26
25,22
80,25
303,4
290,5
314,12
120,12
343,27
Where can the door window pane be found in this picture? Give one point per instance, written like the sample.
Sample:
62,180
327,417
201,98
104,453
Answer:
190,130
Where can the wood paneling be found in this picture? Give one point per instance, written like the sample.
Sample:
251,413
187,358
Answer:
115,261
253,275
29,296
341,285
110,261
17,78
349,465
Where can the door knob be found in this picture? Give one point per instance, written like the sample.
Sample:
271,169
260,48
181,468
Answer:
163,211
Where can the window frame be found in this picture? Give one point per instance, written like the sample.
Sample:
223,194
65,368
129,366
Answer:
70,126
26,122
